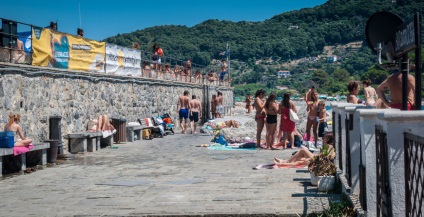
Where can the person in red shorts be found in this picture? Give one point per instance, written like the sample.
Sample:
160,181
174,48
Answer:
394,84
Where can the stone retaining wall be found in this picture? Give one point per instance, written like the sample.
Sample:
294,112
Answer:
37,96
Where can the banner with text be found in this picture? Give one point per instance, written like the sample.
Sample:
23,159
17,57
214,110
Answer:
64,51
122,61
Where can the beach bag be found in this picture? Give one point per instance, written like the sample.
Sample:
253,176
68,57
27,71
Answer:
92,125
159,120
7,139
167,120
297,141
248,145
220,139
146,134
293,116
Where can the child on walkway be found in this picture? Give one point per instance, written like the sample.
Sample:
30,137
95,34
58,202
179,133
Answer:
322,119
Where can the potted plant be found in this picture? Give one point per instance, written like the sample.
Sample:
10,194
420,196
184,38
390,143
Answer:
322,169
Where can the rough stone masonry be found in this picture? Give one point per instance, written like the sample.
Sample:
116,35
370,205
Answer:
37,96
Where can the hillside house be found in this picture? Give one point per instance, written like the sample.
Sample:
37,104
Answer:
283,74
331,59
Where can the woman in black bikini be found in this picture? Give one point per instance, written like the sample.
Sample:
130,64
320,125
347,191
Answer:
271,109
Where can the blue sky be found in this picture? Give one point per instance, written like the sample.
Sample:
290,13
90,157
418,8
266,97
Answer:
102,19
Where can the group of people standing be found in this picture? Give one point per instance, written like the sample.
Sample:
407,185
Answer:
217,109
191,109
267,112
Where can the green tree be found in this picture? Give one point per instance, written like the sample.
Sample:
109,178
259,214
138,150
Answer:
375,74
321,78
341,75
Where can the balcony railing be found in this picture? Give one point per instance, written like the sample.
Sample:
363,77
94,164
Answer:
376,159
383,179
414,175
12,51
339,139
348,173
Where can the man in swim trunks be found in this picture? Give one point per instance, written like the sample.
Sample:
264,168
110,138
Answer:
220,108
195,113
394,84
182,109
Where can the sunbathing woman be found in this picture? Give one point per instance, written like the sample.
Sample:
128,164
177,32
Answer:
304,156
103,123
225,124
13,126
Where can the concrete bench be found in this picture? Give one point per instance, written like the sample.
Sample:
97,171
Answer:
131,130
87,141
37,147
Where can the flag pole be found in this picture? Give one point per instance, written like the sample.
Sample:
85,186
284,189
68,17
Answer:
79,12
228,61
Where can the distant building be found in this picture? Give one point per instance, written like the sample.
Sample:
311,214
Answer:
281,87
293,27
283,74
331,59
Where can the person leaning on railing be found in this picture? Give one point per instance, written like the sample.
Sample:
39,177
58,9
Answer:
198,75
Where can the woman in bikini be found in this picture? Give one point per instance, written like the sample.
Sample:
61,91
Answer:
369,92
260,114
304,156
13,126
312,117
353,88
271,109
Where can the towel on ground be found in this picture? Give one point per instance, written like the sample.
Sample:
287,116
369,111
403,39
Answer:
228,148
17,150
274,166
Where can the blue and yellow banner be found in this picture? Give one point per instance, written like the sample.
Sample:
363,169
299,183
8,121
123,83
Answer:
64,51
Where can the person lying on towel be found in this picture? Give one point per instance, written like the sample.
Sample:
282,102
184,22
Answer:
225,124
304,156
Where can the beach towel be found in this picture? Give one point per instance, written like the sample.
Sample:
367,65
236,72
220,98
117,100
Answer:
17,150
274,166
107,133
228,148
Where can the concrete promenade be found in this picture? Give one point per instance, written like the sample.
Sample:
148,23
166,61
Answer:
163,176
